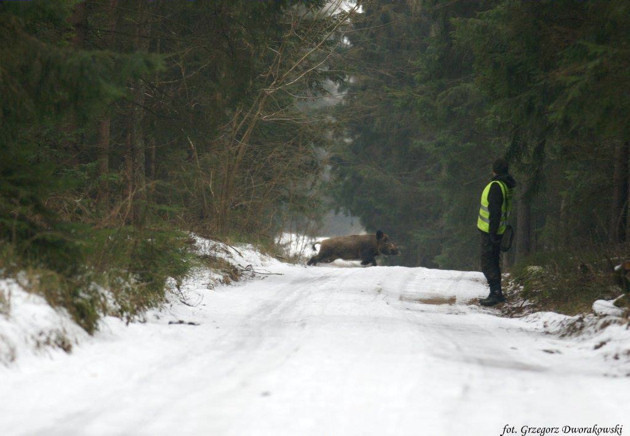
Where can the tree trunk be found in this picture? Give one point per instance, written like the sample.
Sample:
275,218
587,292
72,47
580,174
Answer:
104,136
103,162
72,143
136,153
79,22
128,159
523,224
618,215
151,167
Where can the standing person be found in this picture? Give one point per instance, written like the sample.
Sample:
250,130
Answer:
496,202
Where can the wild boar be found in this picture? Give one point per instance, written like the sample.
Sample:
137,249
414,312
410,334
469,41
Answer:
354,247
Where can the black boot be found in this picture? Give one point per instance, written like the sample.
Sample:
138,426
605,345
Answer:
495,297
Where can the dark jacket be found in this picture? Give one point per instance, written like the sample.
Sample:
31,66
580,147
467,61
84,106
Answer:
495,202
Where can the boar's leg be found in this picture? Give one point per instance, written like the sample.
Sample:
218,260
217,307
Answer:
371,260
316,259
313,260
324,256
368,255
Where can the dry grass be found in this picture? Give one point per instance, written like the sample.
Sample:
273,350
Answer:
562,282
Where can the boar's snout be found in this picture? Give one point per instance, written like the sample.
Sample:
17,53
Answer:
389,249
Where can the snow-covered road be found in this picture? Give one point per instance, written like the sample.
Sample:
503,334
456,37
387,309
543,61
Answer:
330,350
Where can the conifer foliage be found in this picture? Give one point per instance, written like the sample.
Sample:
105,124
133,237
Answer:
440,89
126,123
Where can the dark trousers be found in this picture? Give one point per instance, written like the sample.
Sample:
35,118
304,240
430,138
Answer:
491,262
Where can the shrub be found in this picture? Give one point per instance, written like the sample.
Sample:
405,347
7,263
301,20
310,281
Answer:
94,272
565,282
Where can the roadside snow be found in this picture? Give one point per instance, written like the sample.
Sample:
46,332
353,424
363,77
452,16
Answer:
298,246
607,337
607,308
324,350
31,327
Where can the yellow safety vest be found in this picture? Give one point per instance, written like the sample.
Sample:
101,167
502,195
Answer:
483,222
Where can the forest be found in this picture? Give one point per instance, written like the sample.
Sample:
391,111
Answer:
126,125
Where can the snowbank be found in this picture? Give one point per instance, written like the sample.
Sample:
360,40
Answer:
299,247
243,256
608,308
607,337
30,326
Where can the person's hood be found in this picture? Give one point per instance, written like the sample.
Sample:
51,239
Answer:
507,179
